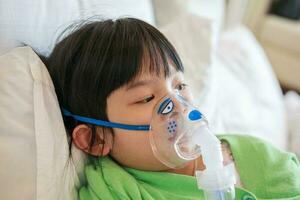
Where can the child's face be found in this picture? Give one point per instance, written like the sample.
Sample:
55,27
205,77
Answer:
134,104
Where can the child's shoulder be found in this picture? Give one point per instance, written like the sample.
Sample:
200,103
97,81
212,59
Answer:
241,144
264,169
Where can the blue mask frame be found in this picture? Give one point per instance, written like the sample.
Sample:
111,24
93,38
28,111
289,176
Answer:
99,122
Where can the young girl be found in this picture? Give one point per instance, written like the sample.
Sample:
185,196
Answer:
109,76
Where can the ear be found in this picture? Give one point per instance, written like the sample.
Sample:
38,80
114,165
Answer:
82,136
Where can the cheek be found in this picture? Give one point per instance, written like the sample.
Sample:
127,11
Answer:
126,113
138,114
130,139
130,143
133,149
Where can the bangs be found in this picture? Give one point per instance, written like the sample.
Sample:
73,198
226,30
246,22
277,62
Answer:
138,47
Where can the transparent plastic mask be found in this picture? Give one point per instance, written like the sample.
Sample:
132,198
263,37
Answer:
173,128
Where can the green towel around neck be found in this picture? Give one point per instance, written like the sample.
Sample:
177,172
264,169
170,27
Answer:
266,173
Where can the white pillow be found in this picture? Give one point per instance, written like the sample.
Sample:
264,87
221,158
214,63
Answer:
169,11
38,23
249,98
34,151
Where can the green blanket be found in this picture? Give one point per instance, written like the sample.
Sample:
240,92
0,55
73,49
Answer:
265,171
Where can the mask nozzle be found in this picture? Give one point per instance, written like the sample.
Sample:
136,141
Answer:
216,180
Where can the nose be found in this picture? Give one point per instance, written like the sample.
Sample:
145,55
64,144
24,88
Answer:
180,104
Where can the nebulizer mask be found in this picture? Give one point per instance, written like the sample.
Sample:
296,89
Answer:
179,133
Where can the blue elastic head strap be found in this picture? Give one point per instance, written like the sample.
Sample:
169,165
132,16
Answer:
106,123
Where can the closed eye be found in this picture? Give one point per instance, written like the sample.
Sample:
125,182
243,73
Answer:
146,100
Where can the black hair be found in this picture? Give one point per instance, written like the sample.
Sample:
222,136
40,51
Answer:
99,57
